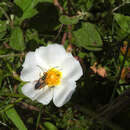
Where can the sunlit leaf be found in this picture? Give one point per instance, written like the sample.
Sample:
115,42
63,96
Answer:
16,40
88,37
29,13
68,20
49,1
15,118
27,7
123,21
49,126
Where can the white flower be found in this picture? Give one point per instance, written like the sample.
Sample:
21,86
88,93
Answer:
58,69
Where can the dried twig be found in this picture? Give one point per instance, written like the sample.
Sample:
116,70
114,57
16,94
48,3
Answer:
57,4
30,107
64,38
58,32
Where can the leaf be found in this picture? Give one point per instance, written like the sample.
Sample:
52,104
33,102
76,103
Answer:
88,37
3,28
29,13
49,1
16,40
68,20
27,7
49,126
25,4
89,4
15,118
123,21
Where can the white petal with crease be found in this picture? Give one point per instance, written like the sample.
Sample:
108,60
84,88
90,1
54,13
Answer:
71,69
46,97
63,93
42,56
57,54
31,73
30,91
30,60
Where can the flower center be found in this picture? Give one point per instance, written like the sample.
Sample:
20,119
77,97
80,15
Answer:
53,77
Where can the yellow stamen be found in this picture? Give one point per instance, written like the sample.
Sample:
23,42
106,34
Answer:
53,77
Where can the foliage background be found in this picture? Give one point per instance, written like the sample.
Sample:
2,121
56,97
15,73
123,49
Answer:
97,34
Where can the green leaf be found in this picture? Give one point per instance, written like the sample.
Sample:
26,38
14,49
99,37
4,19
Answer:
123,21
89,4
68,20
88,37
3,26
49,1
16,40
15,118
27,7
49,126
25,4
29,13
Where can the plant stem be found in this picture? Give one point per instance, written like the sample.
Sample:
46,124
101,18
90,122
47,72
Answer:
119,75
11,55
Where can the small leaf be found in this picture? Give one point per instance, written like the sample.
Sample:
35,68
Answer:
89,4
123,21
27,7
68,20
88,37
49,126
3,26
16,40
23,4
49,1
15,118
29,13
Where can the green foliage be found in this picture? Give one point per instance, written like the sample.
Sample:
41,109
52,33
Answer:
15,118
49,126
27,8
68,20
16,39
123,21
94,31
88,37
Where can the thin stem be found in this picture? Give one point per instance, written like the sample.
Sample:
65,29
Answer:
119,75
58,34
11,55
5,14
12,95
116,8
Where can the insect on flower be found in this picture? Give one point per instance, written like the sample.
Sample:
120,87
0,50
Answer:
51,73
41,82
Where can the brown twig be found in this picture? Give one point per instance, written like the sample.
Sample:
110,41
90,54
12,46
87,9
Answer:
64,38
30,107
58,32
70,46
6,45
57,4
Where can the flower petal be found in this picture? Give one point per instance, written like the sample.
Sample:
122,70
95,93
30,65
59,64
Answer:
71,69
31,73
63,93
52,55
46,97
30,91
41,55
29,60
